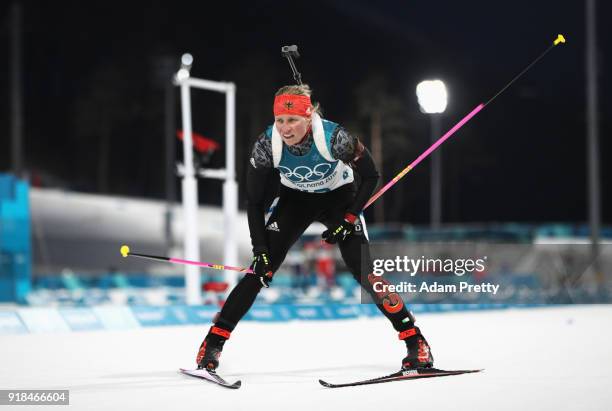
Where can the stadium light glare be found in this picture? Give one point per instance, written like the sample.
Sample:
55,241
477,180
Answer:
182,74
186,60
432,96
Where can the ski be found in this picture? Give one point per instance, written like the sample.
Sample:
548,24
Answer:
211,376
401,375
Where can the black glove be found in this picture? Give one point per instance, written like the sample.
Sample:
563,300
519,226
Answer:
262,268
342,231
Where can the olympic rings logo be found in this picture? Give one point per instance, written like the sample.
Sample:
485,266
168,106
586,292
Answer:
305,173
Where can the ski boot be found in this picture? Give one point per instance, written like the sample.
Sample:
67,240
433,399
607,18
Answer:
211,347
419,355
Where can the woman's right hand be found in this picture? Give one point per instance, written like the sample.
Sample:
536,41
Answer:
262,268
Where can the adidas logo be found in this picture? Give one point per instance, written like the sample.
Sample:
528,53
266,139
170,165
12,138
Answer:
273,227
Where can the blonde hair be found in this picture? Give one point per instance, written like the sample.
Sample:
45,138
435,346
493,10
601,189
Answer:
300,90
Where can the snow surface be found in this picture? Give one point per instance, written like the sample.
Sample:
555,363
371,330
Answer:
535,359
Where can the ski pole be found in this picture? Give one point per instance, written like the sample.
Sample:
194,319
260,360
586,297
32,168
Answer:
559,40
125,252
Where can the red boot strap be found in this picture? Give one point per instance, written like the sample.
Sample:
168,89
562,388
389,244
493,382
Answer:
220,331
423,352
201,352
408,333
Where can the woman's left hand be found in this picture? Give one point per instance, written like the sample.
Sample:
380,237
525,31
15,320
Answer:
341,231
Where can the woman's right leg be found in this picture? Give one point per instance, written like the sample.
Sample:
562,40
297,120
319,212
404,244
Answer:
283,228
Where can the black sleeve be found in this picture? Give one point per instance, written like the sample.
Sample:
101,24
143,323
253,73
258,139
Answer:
365,167
262,186
349,149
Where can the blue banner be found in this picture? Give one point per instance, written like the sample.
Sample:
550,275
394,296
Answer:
38,320
81,319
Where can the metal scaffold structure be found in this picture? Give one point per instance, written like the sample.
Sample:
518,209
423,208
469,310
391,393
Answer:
189,181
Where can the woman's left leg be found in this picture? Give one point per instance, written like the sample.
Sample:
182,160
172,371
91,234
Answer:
355,251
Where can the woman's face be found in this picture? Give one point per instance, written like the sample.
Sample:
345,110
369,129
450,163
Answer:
292,128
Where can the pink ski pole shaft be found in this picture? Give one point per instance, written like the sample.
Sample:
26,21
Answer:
125,251
559,40
424,154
